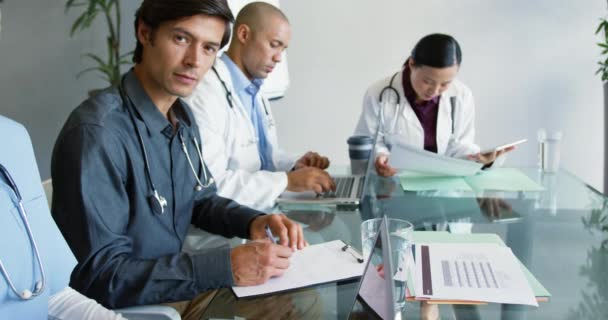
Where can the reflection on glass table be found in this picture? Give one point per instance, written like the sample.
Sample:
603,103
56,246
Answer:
560,234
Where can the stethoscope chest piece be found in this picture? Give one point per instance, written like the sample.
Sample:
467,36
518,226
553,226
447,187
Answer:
157,202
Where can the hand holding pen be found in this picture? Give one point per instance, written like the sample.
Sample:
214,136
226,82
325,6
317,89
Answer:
270,235
289,232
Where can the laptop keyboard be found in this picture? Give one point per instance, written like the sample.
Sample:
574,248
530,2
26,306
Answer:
344,187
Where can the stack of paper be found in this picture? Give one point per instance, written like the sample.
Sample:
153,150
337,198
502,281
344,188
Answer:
407,158
316,264
421,170
471,269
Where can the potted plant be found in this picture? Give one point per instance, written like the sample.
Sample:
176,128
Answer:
108,67
603,71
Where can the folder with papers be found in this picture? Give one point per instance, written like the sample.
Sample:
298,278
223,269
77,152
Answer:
498,179
408,158
429,237
316,264
470,272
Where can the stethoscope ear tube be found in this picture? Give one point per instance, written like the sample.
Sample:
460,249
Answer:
383,103
391,88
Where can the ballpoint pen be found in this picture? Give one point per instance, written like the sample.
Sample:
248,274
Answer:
269,235
353,252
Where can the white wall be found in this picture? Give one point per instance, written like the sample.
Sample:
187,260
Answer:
530,64
39,62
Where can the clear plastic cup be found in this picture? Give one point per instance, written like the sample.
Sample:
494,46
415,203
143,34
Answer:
400,237
552,150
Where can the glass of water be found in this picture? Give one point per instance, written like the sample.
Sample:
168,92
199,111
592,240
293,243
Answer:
400,237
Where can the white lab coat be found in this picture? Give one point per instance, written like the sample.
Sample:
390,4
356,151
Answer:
230,147
402,125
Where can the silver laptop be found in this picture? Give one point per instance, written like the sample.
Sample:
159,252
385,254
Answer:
349,188
375,297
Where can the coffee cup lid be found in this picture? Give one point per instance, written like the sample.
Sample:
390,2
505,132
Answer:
360,140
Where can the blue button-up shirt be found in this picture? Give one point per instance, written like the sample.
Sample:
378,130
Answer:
247,91
127,254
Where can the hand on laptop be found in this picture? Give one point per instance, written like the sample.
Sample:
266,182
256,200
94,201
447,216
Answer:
382,166
312,159
310,178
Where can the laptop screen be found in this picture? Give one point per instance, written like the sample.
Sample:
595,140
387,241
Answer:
370,165
375,296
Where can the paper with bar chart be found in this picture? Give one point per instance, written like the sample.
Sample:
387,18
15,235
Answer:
473,272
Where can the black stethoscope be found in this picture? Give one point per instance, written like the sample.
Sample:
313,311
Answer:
391,89
156,200
39,285
229,96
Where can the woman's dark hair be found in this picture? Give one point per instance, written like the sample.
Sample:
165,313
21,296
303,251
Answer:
154,12
437,50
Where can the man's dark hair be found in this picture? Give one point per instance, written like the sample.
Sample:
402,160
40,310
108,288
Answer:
437,51
154,12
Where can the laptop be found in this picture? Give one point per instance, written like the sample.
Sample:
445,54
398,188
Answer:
349,188
375,297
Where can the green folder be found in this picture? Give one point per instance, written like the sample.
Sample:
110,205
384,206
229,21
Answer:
541,293
498,179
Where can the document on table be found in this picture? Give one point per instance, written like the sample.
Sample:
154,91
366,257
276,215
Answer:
497,179
471,272
408,158
316,264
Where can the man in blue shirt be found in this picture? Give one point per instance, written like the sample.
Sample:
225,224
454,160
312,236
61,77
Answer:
128,175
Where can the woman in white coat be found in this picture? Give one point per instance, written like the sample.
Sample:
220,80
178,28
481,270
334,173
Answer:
424,105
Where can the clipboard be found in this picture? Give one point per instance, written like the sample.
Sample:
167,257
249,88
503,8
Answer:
315,264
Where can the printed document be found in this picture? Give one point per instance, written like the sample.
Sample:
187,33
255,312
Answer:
316,264
471,272
408,158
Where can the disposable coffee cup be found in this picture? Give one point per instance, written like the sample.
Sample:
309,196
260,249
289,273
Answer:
359,150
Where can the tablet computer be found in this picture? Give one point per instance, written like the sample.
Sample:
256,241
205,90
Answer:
503,146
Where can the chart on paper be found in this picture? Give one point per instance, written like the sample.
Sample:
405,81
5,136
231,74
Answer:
473,272
468,274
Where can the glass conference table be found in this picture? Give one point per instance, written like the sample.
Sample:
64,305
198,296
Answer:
560,234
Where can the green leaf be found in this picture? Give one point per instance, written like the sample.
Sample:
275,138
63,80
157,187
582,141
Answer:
76,25
96,58
128,54
602,25
72,4
79,74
